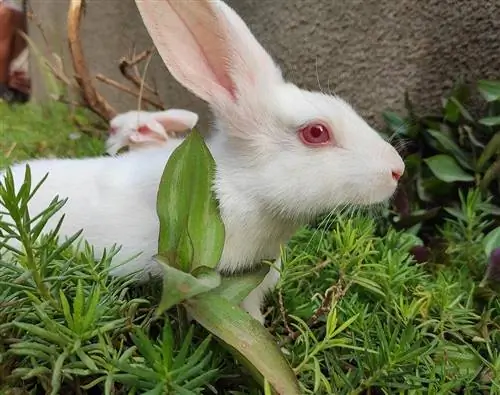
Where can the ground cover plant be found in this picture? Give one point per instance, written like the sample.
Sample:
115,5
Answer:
446,152
354,313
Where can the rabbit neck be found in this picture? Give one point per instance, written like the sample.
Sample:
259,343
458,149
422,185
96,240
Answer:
253,232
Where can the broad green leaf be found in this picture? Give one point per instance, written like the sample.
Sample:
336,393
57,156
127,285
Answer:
447,169
451,147
490,90
236,288
490,121
191,230
491,241
179,286
247,336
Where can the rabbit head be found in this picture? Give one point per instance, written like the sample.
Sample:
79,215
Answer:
298,153
141,129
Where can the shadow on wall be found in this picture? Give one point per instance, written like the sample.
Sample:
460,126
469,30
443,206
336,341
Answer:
367,51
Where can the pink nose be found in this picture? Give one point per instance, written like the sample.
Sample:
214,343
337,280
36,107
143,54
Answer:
396,175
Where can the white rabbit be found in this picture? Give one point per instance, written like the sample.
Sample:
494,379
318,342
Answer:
143,129
283,155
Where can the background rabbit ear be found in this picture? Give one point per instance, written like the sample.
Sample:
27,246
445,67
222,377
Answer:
145,134
207,47
176,120
191,40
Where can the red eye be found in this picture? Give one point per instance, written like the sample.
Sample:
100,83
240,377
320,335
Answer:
315,134
112,130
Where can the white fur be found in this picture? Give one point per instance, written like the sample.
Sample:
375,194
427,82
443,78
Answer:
268,183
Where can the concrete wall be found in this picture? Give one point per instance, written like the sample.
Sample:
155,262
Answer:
368,51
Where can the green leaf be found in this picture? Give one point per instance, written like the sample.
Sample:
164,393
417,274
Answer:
252,341
57,373
490,121
191,230
490,90
447,169
180,358
492,148
236,288
451,147
491,241
467,130
147,349
396,124
179,286
167,345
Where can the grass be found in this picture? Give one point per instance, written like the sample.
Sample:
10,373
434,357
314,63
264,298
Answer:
354,313
34,131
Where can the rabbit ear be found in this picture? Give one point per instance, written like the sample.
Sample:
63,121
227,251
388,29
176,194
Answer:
206,47
250,62
144,134
191,41
176,120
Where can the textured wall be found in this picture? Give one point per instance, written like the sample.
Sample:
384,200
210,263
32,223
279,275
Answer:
368,51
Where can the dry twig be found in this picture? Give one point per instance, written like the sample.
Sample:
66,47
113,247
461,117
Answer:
95,101
128,90
126,64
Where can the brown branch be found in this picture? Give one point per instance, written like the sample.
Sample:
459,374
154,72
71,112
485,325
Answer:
95,101
126,64
126,89
291,333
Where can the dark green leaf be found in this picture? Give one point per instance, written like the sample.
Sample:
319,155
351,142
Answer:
490,90
490,121
491,149
491,241
451,147
447,169
191,230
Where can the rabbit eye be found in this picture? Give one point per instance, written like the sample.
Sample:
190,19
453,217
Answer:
112,130
315,134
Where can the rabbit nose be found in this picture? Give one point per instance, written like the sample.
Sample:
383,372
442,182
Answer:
396,175
398,171
397,165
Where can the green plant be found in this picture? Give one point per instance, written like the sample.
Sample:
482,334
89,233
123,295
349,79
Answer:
65,324
445,153
52,129
402,327
190,246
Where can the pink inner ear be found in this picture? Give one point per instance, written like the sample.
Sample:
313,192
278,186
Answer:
144,129
174,125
